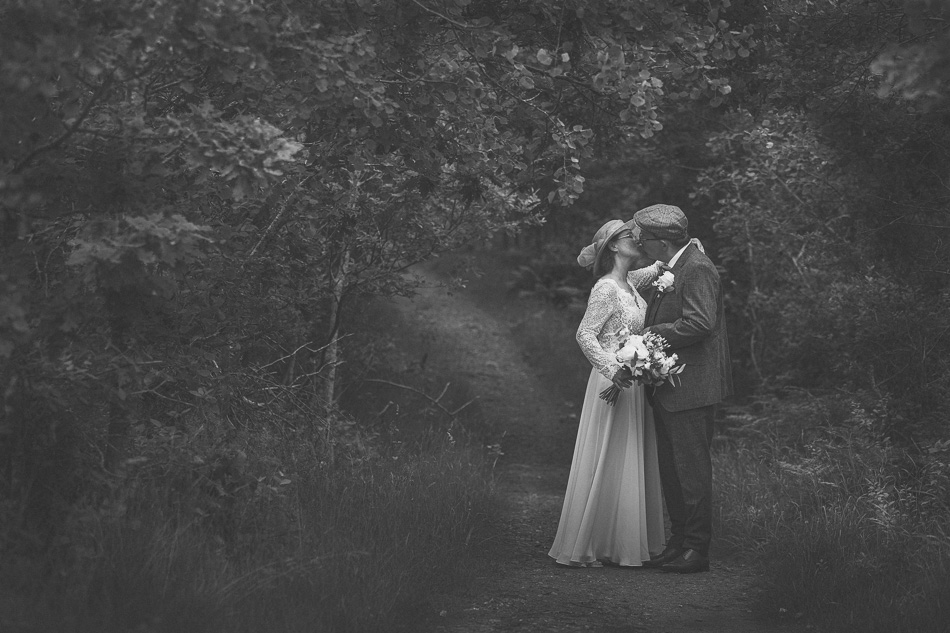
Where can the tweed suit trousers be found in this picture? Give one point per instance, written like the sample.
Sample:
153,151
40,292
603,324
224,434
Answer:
683,440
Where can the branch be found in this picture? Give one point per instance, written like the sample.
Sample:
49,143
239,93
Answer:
131,139
277,217
445,17
556,123
62,138
923,224
434,401
293,353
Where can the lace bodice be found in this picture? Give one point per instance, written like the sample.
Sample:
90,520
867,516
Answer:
609,309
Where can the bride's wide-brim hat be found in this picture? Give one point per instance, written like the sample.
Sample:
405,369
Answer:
591,254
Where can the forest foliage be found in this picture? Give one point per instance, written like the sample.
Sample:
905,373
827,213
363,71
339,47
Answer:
165,163
192,194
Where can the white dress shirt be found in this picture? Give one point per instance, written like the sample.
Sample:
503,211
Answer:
677,256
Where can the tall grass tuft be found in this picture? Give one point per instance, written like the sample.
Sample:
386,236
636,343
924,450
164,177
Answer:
852,531
373,546
295,543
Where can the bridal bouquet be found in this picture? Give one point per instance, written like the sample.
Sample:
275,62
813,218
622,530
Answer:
646,360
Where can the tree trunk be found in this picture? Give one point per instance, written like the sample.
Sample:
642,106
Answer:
332,353
120,402
756,332
117,436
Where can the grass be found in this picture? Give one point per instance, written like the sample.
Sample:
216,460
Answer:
265,528
851,531
355,546
373,546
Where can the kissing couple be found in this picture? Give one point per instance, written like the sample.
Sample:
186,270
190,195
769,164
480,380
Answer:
651,448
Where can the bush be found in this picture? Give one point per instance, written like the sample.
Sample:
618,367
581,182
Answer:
852,529
817,300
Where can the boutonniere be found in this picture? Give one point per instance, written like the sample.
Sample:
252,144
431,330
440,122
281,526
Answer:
664,283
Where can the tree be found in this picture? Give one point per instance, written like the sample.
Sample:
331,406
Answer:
402,124
830,204
917,65
182,183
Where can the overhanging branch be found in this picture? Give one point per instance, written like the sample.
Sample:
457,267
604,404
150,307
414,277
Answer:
436,401
62,138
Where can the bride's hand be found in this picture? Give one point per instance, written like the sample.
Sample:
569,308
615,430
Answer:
622,378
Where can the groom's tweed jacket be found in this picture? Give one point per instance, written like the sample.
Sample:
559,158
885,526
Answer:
691,318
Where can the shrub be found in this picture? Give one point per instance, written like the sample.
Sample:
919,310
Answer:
851,528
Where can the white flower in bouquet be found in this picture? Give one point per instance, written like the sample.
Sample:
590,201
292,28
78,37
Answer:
633,350
667,364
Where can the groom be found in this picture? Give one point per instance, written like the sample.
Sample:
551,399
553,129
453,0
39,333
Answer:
688,313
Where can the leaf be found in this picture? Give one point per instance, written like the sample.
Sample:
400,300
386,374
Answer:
71,110
239,189
544,57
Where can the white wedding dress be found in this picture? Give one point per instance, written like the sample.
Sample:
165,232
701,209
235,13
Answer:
613,508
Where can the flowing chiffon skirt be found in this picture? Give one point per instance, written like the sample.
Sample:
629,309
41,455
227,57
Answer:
613,506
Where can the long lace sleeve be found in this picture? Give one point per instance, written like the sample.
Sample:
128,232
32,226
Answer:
602,303
643,277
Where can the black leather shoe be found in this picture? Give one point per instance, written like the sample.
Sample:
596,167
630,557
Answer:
666,556
689,562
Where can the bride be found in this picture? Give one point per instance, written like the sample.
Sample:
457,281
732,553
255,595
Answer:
613,509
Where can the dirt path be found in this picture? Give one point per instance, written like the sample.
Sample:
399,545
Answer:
520,588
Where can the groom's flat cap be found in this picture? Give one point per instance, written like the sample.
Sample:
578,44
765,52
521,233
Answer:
663,220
